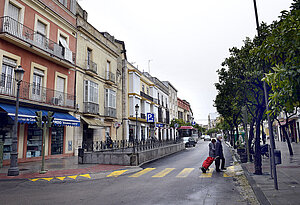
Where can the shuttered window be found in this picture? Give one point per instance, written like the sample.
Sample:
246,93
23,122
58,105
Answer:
91,92
13,11
110,98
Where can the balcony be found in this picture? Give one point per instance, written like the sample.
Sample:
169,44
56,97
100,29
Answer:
91,108
91,66
35,93
110,112
25,34
146,96
110,77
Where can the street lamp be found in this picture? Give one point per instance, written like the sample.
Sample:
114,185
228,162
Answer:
14,169
136,126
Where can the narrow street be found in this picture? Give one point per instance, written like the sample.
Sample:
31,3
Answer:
175,179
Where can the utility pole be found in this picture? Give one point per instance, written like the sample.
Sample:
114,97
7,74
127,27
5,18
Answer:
272,142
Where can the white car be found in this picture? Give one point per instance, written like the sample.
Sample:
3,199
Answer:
206,138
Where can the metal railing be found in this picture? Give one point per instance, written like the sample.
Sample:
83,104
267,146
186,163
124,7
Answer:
110,112
126,145
16,29
90,107
146,96
110,76
90,65
35,92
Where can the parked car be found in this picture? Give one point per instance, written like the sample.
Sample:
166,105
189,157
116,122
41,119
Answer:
189,141
206,138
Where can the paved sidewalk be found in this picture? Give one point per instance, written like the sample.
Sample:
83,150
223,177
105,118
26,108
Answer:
288,176
61,167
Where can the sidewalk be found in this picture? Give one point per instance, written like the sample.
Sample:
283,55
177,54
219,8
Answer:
59,168
288,176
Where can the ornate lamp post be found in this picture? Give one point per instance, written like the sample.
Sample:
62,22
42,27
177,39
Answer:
14,169
136,126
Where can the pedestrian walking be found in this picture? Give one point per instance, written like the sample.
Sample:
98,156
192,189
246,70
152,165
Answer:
211,156
219,155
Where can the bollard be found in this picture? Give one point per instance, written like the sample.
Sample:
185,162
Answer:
277,156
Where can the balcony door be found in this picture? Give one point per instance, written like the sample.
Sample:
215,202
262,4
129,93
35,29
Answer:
6,84
37,84
60,90
41,34
11,24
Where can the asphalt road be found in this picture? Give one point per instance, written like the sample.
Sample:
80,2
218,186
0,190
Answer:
175,179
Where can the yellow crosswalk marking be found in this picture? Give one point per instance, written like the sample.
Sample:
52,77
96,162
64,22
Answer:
85,175
144,171
226,175
185,172
61,178
47,179
116,173
207,174
73,177
164,172
34,179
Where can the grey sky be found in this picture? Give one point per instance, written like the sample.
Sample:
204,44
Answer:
186,40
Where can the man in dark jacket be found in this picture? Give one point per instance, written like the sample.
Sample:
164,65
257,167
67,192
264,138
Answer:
219,155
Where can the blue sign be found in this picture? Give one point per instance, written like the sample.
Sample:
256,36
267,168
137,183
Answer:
194,123
159,125
150,117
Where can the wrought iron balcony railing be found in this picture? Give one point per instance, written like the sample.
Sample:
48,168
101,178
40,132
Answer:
90,65
18,30
146,96
110,112
110,76
90,107
35,92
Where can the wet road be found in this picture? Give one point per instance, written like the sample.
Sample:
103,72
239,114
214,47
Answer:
175,179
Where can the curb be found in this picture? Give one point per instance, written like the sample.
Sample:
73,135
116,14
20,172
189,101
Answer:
260,196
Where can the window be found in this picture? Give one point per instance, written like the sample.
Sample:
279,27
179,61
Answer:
37,82
110,98
143,88
91,92
41,34
60,90
6,84
66,53
34,141
107,69
64,2
57,140
147,91
13,11
89,57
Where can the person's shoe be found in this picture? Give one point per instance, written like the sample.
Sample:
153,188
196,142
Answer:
203,169
223,168
218,170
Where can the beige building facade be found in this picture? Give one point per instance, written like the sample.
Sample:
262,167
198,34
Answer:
98,86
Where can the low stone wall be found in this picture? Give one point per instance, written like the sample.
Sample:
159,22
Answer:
127,158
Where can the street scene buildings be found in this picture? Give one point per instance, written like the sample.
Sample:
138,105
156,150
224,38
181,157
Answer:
83,76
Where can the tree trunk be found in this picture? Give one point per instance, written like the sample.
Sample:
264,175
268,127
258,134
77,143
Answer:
257,155
286,133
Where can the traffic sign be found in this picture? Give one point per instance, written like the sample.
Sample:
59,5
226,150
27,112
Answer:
150,117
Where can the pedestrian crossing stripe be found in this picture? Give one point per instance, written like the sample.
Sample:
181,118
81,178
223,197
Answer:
185,172
164,172
116,173
140,173
34,179
207,174
61,178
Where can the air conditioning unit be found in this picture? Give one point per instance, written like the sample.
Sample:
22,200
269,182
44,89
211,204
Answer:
55,101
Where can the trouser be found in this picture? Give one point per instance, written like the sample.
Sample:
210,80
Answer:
217,163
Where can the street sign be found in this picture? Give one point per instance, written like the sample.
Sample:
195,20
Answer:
117,124
194,123
176,125
150,117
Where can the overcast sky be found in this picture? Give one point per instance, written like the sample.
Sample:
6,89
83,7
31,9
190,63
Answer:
186,41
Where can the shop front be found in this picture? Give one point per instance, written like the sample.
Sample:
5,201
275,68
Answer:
58,141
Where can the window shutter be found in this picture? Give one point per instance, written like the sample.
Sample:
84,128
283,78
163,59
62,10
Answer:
60,84
63,42
41,28
13,11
